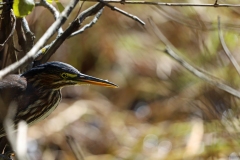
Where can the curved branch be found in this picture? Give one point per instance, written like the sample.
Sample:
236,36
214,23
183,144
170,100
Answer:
225,48
53,10
95,19
123,12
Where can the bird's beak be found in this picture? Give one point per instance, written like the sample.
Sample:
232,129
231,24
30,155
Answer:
83,78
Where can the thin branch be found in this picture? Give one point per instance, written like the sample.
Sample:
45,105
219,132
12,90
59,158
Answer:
73,27
30,37
225,48
53,10
94,21
168,4
206,77
210,79
79,10
29,57
26,27
123,12
12,31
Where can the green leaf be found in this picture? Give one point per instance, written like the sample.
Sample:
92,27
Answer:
59,5
22,8
50,1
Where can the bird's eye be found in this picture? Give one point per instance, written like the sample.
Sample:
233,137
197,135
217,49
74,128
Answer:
64,75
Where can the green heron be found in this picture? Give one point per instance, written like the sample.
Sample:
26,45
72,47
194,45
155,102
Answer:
37,92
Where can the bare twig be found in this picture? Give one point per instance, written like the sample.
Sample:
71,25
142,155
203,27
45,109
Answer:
29,57
168,4
26,27
30,37
53,10
225,48
123,12
79,10
206,77
12,31
95,19
73,27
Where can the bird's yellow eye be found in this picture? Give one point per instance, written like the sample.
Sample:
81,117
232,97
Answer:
68,75
64,75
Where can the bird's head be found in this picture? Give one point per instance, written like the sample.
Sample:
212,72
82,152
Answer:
56,75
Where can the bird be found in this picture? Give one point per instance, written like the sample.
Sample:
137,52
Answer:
37,92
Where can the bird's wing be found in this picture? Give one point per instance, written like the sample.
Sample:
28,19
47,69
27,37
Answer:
11,87
13,81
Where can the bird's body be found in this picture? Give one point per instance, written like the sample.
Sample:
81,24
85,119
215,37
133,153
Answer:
36,93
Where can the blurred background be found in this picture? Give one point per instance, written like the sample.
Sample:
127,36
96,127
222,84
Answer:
160,110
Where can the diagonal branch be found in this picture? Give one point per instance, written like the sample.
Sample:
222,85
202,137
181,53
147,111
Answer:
29,35
53,10
123,12
204,76
94,21
225,48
